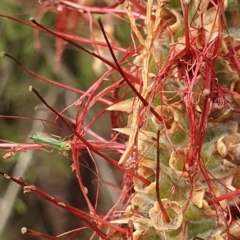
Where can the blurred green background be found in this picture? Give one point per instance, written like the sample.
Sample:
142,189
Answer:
49,171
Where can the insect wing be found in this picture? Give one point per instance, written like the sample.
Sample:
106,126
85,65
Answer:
45,138
56,143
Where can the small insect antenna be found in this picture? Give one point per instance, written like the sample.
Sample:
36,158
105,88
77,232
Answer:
45,126
88,168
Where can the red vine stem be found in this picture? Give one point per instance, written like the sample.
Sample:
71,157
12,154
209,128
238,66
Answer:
110,160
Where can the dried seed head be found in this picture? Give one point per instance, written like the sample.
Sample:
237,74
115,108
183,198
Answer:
220,115
141,204
197,197
235,86
176,216
221,148
236,179
233,231
145,172
228,147
177,161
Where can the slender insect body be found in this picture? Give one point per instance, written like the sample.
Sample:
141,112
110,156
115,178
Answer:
44,138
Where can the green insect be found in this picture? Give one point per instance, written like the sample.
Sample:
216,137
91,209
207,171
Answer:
59,144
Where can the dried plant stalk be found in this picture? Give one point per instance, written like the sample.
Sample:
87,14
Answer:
199,140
